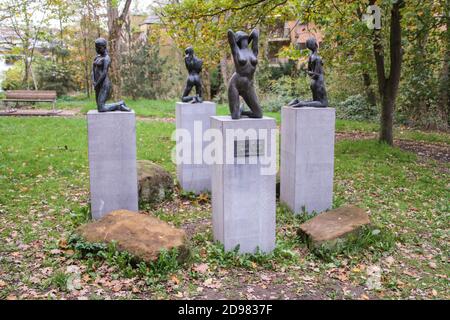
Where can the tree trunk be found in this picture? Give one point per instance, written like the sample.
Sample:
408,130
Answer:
445,80
207,85
86,64
388,86
224,71
26,74
371,96
115,23
387,119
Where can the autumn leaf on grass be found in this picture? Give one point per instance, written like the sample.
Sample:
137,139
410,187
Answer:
209,284
175,280
62,243
203,198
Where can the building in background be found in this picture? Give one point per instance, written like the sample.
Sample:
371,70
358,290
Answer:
290,33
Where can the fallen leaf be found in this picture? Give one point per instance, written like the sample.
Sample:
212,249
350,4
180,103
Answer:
117,288
55,251
201,268
175,279
265,277
432,265
135,290
62,243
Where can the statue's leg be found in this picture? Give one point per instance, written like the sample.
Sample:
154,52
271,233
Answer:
251,99
96,97
102,96
312,104
199,91
233,101
186,92
293,102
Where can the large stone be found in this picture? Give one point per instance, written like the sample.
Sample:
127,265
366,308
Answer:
307,158
154,183
243,184
193,118
112,161
141,235
333,226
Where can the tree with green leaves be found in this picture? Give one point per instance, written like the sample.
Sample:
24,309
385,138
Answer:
204,24
27,18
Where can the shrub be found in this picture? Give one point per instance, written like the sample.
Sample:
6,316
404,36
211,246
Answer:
54,76
143,72
356,108
13,77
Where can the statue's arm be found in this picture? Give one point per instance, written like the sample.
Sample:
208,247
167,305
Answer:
93,77
232,42
104,72
254,39
316,70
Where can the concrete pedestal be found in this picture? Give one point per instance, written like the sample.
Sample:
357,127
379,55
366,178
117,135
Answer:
112,162
243,192
194,176
307,158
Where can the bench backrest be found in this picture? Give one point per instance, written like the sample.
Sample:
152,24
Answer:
31,94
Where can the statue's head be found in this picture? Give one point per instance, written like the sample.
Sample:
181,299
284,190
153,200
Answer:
189,51
242,39
311,44
100,45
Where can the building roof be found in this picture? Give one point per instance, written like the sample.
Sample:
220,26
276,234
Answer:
152,19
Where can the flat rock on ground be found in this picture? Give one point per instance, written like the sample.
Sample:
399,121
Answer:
333,225
141,235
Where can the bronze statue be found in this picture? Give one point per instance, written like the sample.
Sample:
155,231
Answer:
241,82
100,79
194,67
315,72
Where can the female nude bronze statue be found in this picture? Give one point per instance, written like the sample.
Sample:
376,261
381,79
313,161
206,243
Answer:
100,79
194,67
315,72
241,82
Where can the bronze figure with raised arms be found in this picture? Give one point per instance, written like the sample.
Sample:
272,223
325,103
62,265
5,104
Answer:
241,83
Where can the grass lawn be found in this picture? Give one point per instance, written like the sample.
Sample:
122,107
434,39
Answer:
44,183
166,109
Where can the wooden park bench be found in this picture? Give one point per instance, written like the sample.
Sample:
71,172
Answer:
18,96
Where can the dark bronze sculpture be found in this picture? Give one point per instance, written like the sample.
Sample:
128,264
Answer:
315,72
194,67
100,79
241,82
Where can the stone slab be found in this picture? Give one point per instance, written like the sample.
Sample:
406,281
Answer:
243,199
307,158
196,175
142,235
330,226
112,162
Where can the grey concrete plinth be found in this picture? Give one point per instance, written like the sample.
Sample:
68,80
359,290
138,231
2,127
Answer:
244,184
307,158
195,175
112,162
